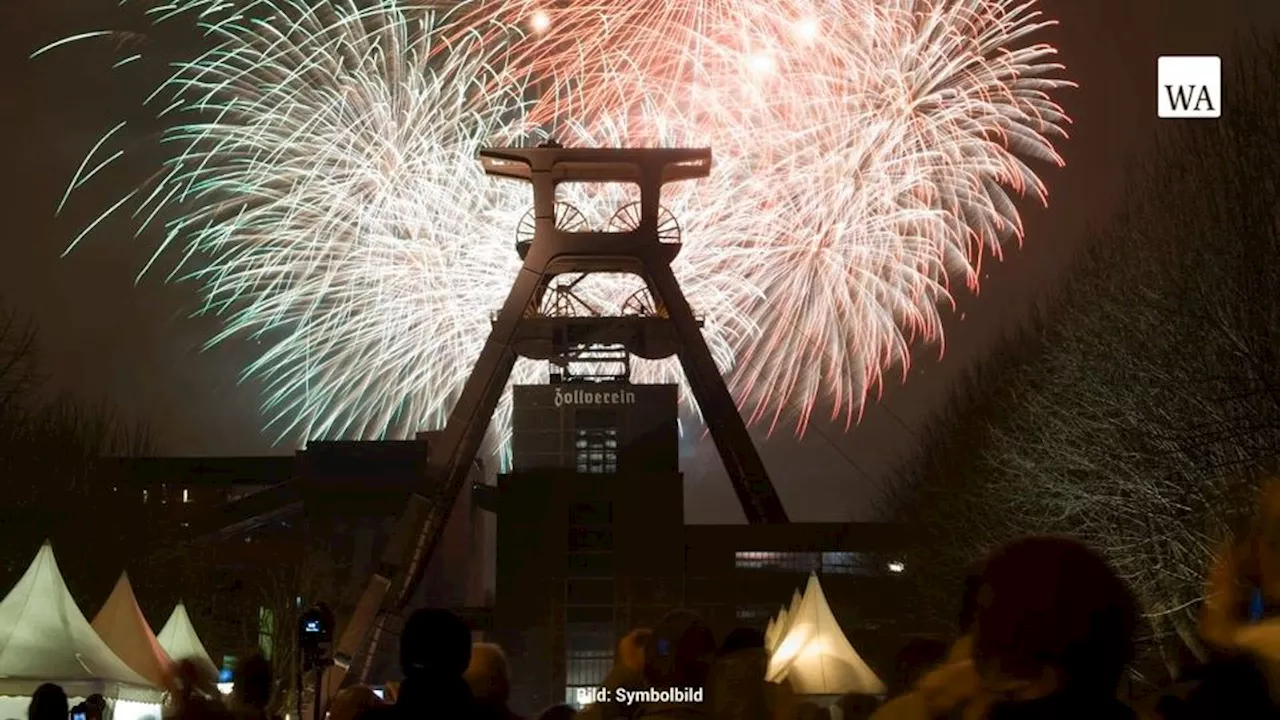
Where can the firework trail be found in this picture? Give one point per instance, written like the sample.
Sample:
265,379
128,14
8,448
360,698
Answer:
325,192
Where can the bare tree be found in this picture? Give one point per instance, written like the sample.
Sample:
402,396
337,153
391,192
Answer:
18,376
48,452
1155,403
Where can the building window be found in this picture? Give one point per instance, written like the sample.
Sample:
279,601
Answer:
266,631
754,613
825,563
186,495
848,563
597,451
596,441
588,656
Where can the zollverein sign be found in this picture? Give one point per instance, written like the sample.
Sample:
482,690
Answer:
579,396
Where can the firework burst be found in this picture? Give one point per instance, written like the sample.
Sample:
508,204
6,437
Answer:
325,190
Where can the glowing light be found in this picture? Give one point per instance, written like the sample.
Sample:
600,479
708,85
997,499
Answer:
896,567
807,29
321,183
540,21
762,63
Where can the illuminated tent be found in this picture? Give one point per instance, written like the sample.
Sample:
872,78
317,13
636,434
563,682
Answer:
178,638
45,638
778,626
812,654
122,626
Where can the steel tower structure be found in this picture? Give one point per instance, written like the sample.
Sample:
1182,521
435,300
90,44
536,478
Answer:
537,321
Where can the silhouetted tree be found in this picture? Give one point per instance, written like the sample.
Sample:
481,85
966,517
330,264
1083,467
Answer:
1155,404
48,450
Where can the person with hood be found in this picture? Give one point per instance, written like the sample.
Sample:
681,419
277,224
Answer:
627,673
489,678
435,650
1053,634
678,656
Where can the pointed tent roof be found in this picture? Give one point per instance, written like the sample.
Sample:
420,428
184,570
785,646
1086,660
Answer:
121,624
45,638
814,655
178,638
782,623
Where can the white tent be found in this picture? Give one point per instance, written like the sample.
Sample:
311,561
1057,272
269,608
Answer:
813,655
178,638
779,625
45,638
121,624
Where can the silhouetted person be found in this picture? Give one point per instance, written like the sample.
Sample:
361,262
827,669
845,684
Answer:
251,691
1053,633
627,673
435,650
489,678
678,657
48,702
856,707
738,688
95,707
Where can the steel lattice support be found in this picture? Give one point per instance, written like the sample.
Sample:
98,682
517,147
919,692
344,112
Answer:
643,249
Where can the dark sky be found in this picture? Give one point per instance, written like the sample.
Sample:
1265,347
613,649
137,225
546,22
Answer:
105,337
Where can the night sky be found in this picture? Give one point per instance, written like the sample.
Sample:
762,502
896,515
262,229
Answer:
105,337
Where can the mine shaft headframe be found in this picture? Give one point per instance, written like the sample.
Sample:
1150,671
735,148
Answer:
549,165
638,248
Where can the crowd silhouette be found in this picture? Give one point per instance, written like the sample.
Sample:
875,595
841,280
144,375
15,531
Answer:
1046,632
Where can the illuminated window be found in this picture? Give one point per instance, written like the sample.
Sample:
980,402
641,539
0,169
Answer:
596,442
144,496
186,495
597,451
266,631
826,563
588,656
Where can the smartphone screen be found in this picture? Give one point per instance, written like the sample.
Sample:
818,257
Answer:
78,716
1257,605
